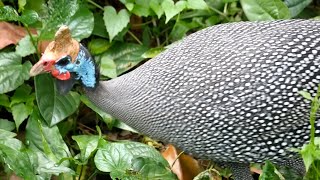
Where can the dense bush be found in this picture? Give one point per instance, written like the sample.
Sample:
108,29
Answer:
43,133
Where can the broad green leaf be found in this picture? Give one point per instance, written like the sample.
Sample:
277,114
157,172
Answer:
53,106
58,12
22,94
125,56
21,4
197,4
5,134
155,5
261,10
307,153
268,172
6,125
117,157
4,100
12,73
138,7
150,169
46,139
29,17
99,27
151,53
20,112
25,47
18,161
98,46
115,22
45,166
108,66
306,95
81,24
107,118
181,28
171,9
8,13
296,6
87,144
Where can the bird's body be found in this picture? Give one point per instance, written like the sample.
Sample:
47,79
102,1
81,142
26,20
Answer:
227,93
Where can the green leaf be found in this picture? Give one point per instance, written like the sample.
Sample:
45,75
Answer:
171,9
98,46
114,22
58,12
155,5
45,166
8,13
151,53
268,172
307,153
99,26
11,151
138,7
296,6
4,100
12,73
25,47
20,112
306,95
261,10
46,139
53,106
108,66
5,128
21,4
6,125
107,118
29,17
197,4
81,24
150,169
87,144
125,56
181,28
117,157
22,94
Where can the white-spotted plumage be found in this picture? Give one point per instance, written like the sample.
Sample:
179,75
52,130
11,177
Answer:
227,93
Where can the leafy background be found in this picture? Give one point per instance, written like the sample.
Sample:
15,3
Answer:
45,135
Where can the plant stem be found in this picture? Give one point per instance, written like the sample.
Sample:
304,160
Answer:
155,25
92,175
34,43
95,4
177,158
80,172
313,113
135,37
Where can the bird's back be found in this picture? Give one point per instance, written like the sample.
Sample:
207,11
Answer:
228,92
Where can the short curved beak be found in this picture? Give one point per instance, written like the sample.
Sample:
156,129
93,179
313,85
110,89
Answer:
42,66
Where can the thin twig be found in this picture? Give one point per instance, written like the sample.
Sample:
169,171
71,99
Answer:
134,37
95,4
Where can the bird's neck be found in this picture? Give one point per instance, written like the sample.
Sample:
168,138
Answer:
86,70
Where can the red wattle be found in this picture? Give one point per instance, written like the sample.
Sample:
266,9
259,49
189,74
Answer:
63,76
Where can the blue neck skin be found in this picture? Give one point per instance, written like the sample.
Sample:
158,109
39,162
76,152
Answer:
83,67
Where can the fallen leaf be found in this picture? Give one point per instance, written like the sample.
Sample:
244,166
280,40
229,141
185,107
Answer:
11,34
185,166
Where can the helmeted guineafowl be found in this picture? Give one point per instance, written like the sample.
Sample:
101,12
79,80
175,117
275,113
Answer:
228,93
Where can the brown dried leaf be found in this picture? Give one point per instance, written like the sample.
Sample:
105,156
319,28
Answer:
10,34
185,167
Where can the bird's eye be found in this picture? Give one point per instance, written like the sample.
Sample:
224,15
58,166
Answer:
64,61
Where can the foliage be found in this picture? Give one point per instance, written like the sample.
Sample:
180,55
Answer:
120,35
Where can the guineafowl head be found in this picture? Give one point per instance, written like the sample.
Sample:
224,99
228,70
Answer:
67,61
